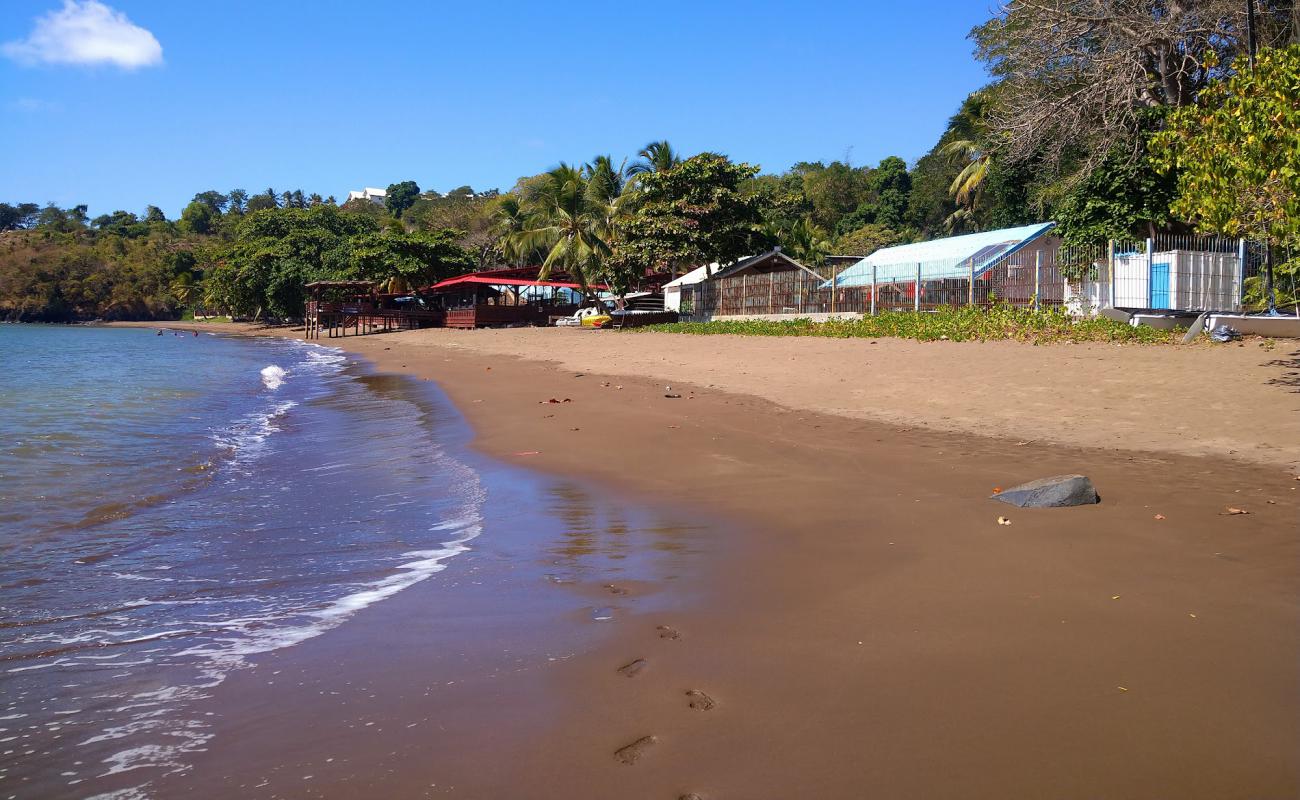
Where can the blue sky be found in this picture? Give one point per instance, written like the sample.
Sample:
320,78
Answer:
329,96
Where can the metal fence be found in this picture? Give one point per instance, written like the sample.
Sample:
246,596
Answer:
1176,273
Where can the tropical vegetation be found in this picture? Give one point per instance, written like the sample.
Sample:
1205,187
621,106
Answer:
1115,119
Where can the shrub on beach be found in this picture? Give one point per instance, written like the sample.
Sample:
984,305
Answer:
960,324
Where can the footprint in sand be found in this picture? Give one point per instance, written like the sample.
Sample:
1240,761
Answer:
633,752
631,668
699,700
613,589
666,632
691,796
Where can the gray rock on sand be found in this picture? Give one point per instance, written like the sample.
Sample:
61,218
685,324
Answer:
1055,492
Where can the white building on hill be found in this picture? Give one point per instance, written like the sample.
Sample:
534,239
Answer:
370,193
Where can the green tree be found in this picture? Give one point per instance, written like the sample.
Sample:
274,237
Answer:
198,218
406,259
1237,152
1121,198
654,157
238,199
401,196
23,215
563,219
866,240
691,214
261,202
214,200
835,190
805,242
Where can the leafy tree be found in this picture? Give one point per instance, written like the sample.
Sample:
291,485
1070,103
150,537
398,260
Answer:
238,199
866,240
834,190
1119,199
53,218
154,214
891,185
198,218
215,201
691,214
261,202
414,259
400,197
120,223
1237,152
23,215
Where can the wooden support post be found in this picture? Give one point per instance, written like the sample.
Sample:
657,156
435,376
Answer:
771,288
799,304
744,294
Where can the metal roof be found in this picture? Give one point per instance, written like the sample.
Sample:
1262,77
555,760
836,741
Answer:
953,257
699,274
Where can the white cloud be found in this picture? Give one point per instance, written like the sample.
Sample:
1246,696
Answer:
86,32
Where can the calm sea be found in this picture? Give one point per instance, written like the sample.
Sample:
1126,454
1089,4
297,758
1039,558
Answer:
171,506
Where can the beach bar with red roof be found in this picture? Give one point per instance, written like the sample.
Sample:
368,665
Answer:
505,297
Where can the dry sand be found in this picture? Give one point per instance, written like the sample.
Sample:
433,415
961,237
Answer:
872,630
1240,400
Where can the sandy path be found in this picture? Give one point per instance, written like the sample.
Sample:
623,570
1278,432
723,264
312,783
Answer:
1241,400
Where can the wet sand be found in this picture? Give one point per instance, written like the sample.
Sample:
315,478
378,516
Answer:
863,626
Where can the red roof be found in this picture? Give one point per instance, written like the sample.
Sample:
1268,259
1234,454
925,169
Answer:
498,277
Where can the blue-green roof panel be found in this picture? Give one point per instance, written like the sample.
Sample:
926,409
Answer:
951,257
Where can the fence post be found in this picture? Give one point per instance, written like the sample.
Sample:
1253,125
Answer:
916,295
1110,269
873,290
1038,278
744,294
1241,281
1150,252
970,288
834,291
800,292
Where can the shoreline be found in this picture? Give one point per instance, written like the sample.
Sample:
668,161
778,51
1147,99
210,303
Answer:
878,629
1239,401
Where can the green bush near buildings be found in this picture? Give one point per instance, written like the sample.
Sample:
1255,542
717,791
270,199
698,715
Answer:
954,324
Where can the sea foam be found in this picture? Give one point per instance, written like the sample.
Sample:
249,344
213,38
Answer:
273,376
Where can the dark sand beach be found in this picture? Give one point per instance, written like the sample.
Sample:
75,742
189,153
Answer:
849,619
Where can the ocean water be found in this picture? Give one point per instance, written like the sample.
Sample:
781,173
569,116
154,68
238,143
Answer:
172,507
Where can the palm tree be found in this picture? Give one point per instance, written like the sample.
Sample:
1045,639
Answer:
564,221
609,189
805,242
968,146
510,219
655,157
